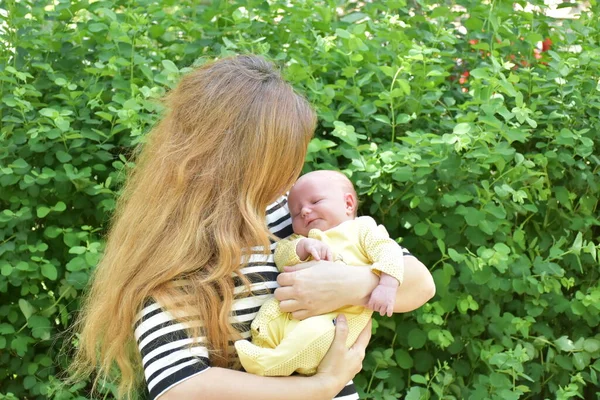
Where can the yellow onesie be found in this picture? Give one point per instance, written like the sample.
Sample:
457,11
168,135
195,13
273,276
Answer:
282,345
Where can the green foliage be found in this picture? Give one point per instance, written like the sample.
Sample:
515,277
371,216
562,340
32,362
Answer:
478,150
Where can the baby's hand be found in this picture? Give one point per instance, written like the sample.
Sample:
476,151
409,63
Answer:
315,248
382,300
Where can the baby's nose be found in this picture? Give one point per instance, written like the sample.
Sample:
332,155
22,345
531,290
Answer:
305,211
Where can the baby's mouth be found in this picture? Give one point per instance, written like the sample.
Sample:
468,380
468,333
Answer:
311,221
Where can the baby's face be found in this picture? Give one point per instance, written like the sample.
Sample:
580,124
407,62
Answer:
318,203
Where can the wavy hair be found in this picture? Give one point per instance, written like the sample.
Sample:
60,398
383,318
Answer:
233,139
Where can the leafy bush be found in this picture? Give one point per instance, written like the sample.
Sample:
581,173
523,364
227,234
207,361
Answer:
469,129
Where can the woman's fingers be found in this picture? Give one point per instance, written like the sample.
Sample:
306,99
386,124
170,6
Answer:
363,340
341,331
293,268
289,306
283,293
300,314
286,278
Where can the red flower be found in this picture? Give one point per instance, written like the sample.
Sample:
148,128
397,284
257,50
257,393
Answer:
546,44
466,74
473,41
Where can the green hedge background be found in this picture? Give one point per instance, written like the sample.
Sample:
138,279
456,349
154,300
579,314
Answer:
469,129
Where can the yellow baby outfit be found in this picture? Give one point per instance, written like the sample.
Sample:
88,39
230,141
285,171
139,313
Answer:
282,345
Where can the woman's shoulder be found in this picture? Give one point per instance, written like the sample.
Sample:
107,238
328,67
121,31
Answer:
278,216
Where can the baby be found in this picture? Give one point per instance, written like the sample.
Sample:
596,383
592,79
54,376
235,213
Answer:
323,208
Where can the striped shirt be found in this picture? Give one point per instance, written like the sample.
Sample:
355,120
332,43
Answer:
164,345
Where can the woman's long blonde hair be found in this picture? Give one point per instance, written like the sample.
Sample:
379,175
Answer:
233,139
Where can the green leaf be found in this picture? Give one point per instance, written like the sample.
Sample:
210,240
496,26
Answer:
170,66
581,360
40,327
52,231
6,269
352,18
62,124
6,329
416,338
564,344
29,382
343,33
455,256
63,156
403,359
49,271
388,71
26,308
49,112
562,195
591,345
578,243
421,229
404,85
20,344
42,211
382,374
19,163
76,264
77,250
60,207
419,379
97,27
228,43
462,128
382,118
480,73
415,393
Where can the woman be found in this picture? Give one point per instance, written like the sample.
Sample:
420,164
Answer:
213,170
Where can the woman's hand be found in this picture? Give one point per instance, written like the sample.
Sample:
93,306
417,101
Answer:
314,288
341,364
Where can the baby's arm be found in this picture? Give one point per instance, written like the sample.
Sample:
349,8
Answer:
387,259
383,297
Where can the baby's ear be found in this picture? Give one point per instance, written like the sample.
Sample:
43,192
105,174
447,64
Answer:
350,202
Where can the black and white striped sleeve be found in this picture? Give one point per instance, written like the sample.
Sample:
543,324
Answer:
168,358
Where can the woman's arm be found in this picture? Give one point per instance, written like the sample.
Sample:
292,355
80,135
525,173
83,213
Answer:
307,291
338,367
224,384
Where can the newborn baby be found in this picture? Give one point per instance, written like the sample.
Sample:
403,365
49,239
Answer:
323,207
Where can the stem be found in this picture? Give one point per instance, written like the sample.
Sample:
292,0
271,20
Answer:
371,380
392,105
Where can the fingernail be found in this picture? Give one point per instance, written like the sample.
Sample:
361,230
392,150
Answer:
341,317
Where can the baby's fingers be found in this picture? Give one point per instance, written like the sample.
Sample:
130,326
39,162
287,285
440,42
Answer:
390,309
314,252
371,304
329,255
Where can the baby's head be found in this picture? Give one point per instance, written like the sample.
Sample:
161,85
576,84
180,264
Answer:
321,200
